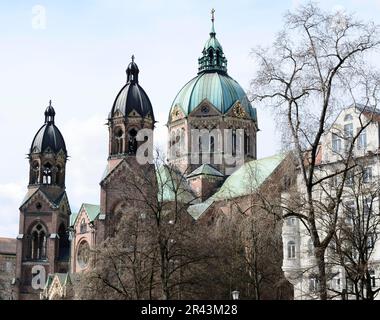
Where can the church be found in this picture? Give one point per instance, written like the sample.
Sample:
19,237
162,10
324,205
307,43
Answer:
212,130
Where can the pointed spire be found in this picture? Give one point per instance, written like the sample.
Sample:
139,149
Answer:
49,113
212,33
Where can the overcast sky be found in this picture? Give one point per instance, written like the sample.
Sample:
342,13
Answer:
78,57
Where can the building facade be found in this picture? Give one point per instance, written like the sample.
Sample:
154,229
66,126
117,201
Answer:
7,268
354,249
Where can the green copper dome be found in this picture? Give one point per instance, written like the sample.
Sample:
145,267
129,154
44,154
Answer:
219,89
213,83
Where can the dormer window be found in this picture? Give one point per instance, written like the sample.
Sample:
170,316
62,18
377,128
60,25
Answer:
348,117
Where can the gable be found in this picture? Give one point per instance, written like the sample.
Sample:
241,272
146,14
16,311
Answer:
35,197
176,114
205,109
134,113
122,166
87,211
111,166
238,111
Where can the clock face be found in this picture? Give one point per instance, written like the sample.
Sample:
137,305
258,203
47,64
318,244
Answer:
205,109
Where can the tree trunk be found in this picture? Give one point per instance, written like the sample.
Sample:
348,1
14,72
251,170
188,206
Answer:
320,258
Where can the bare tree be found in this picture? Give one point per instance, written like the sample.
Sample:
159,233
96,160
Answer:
315,68
356,236
152,245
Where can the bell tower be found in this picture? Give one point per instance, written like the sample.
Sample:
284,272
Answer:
43,242
130,125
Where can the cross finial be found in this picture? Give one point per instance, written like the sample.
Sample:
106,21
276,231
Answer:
50,103
133,58
212,14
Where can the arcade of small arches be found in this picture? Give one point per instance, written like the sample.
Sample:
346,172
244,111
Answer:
124,144
47,173
208,139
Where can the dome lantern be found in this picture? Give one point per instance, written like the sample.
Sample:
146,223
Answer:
49,113
213,58
132,72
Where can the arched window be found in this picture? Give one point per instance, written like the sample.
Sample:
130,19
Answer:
212,144
35,174
211,56
233,142
217,57
200,149
64,244
59,176
83,226
291,250
38,241
132,142
310,248
119,141
212,149
247,146
47,173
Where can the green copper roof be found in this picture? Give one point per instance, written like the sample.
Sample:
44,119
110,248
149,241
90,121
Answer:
248,177
219,89
73,217
196,210
92,211
242,182
205,169
172,184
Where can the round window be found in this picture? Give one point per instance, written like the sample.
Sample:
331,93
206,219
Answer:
83,255
205,109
